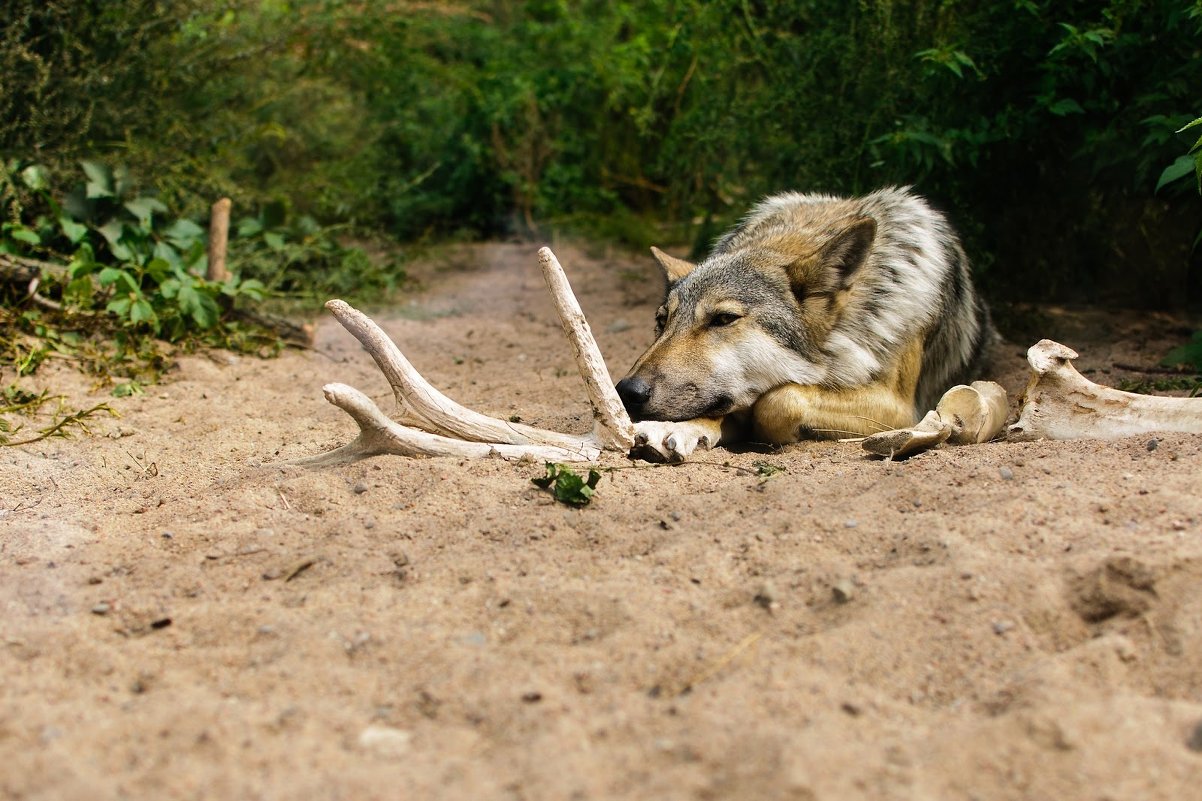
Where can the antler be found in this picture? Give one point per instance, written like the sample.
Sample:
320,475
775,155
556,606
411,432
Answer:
438,426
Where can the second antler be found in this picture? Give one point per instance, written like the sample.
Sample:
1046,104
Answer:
435,425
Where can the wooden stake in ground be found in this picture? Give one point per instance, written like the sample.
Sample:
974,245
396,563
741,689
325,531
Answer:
435,425
219,236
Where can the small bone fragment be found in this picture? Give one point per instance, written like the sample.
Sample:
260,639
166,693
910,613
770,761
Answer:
929,432
1063,404
965,415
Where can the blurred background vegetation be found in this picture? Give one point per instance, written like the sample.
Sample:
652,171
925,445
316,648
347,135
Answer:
1047,129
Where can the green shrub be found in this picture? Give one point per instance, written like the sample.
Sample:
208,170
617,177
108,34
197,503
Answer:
1042,126
126,254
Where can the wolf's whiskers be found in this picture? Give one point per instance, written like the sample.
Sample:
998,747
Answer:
880,426
854,434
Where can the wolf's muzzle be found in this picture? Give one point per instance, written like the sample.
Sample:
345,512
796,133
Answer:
634,392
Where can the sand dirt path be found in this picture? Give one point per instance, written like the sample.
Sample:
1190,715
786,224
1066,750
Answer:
182,617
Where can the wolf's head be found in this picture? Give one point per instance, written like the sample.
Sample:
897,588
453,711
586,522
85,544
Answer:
754,315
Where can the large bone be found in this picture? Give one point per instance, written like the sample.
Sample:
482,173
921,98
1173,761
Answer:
1063,404
438,426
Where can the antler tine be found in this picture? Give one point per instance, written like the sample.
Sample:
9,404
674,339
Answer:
380,435
614,429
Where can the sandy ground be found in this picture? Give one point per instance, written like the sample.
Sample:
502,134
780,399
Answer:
184,616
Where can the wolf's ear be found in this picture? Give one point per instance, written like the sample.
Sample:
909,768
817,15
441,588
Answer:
848,249
674,268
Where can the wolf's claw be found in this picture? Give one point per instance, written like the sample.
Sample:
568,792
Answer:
657,441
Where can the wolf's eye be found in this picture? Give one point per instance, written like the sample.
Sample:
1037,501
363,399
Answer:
723,319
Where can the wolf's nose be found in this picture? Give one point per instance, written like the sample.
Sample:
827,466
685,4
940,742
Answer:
634,392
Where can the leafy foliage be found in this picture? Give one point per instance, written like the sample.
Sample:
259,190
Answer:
1043,126
127,256
568,486
119,274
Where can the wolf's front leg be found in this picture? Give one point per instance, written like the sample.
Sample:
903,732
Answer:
674,442
794,412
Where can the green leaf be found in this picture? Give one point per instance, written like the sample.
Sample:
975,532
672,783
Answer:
307,225
205,312
1189,125
121,180
567,486
144,209
253,289
23,234
183,233
127,389
79,290
1195,146
274,241
1066,106
1183,166
1189,354
199,305
76,204
170,288
158,270
249,226
100,179
120,306
74,231
141,312
83,262
114,275
34,176
113,231
166,253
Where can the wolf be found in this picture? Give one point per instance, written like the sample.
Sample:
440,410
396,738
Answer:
814,317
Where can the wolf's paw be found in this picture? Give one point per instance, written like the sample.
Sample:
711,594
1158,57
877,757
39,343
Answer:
657,441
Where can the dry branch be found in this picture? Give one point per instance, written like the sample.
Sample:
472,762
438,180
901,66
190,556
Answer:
438,426
22,269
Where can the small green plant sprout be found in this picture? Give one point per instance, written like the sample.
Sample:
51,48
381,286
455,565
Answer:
568,486
1187,356
765,469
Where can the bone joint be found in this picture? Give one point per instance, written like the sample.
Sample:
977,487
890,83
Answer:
1063,404
965,415
435,425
